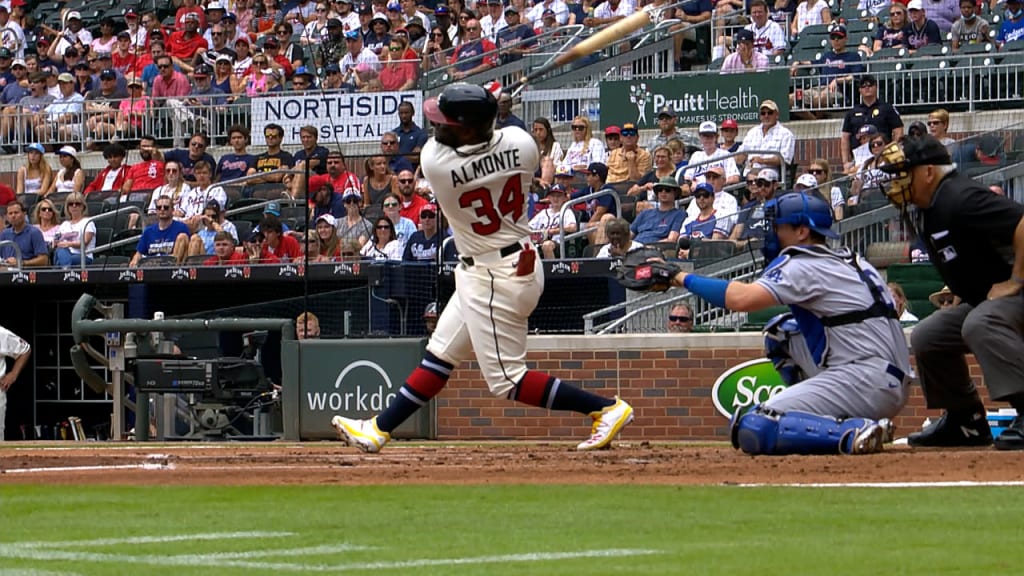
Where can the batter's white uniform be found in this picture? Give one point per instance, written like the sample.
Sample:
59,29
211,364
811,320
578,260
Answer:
482,190
11,346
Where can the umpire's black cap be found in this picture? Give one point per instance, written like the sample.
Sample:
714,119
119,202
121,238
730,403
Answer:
924,150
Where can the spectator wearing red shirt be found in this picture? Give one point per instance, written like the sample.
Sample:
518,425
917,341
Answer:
466,58
273,49
183,45
337,175
276,246
169,83
190,7
113,176
224,253
412,202
6,196
397,72
149,173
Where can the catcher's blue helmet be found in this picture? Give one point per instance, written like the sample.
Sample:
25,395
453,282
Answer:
801,209
798,209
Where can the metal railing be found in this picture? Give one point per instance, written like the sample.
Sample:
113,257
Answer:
584,231
17,253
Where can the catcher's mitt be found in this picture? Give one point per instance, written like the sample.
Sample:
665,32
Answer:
645,270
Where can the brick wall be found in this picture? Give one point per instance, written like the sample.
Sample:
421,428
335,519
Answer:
667,379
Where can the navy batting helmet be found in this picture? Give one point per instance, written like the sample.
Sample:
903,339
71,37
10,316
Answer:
463,105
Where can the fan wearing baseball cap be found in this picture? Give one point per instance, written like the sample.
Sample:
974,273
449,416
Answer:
837,70
745,58
629,162
870,110
770,134
545,223
923,31
601,207
710,152
422,246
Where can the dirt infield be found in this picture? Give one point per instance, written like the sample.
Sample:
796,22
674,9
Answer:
334,464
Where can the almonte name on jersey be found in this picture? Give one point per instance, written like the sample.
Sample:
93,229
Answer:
499,161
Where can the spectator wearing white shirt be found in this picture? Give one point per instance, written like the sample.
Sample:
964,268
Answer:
536,14
493,21
710,151
545,223
620,240
769,37
768,135
608,12
358,59
725,204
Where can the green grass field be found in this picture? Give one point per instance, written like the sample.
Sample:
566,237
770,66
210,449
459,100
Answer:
508,530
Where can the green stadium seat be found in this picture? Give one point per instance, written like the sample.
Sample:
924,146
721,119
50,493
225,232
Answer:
918,281
757,320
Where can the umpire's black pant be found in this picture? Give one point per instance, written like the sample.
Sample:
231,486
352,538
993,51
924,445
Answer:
993,331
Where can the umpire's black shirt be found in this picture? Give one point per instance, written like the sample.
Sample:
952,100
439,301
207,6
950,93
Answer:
968,231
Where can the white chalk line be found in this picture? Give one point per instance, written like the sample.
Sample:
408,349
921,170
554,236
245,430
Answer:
97,468
206,560
148,539
940,484
33,572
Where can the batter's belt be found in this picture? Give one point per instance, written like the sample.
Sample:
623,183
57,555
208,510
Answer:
493,257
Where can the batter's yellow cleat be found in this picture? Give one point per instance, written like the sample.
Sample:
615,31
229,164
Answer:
607,424
362,434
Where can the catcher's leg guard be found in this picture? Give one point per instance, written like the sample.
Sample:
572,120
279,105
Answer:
761,431
780,333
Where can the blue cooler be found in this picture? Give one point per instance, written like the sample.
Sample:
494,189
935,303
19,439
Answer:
998,421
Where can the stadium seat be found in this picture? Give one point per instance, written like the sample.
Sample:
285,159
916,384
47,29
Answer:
933,50
591,250
103,235
244,229
196,259
111,261
884,254
918,282
157,262
1013,46
888,54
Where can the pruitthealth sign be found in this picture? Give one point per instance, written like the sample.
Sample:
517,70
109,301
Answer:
695,98
362,117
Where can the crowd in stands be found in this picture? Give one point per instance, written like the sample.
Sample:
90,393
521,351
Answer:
709,186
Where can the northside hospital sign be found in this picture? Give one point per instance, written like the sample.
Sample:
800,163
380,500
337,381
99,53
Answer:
361,117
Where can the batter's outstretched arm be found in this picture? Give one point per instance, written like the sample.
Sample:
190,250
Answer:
736,296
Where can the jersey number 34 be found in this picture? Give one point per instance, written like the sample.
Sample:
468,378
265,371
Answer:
510,202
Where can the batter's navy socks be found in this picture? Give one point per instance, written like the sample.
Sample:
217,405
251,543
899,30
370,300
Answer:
954,429
545,391
425,382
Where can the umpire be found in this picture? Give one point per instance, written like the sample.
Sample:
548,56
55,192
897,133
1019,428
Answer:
976,241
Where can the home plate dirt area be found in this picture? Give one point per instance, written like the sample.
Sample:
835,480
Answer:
497,463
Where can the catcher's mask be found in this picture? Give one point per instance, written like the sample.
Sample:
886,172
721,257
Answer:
797,209
897,163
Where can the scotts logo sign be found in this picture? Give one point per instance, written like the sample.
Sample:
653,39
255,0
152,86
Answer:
744,385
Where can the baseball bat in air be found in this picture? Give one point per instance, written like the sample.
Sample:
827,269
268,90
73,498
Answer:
598,41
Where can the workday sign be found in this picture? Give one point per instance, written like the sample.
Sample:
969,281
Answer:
353,378
695,98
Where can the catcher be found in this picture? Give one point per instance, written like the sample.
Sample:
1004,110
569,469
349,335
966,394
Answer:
975,239
841,341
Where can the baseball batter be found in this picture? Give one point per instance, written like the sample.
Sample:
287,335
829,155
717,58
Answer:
481,177
841,342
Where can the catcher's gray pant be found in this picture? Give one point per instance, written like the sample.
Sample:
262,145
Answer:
993,331
869,389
